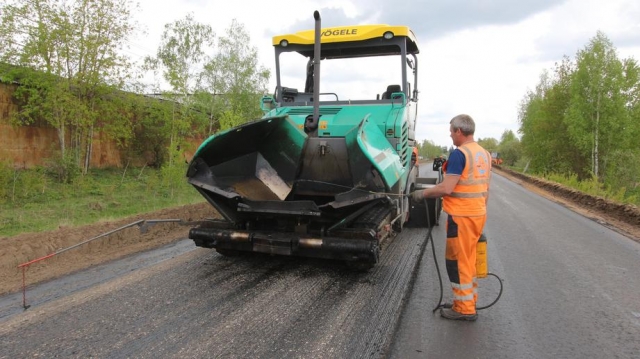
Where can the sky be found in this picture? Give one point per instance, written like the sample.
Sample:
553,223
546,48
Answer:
478,57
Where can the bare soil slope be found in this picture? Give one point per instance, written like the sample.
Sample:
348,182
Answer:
29,246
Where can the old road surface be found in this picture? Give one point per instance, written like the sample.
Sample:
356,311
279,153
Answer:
571,289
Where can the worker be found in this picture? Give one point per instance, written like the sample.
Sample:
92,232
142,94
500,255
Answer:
438,162
465,191
414,157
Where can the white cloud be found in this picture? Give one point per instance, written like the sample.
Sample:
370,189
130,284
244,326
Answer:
481,61
479,72
486,71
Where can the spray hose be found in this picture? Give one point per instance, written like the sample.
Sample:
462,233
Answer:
435,260
433,249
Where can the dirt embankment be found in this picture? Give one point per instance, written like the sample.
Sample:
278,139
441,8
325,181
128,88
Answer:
625,218
29,246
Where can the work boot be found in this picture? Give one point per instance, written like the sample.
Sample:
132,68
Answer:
446,305
449,313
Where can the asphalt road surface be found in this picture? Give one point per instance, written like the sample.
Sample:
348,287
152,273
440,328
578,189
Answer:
569,292
201,304
571,289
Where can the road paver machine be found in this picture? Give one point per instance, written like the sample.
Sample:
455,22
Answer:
320,175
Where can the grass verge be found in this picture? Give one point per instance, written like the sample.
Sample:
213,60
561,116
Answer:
590,186
34,202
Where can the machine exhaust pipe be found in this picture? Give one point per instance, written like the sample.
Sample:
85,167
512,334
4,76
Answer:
311,124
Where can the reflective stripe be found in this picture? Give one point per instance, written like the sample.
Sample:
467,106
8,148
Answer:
468,195
473,182
462,286
463,297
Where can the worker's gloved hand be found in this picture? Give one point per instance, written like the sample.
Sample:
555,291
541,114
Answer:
417,196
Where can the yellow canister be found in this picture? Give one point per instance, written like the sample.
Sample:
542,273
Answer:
482,267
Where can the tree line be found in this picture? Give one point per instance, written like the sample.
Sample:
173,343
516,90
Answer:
579,126
582,120
508,148
69,61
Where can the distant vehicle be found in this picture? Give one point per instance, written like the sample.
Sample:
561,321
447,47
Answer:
495,158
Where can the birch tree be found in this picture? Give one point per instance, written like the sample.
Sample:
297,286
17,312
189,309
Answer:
623,168
180,57
67,57
585,119
234,72
597,107
533,124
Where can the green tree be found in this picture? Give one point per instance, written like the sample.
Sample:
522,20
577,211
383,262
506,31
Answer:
631,93
507,136
509,148
545,140
68,60
233,81
585,119
151,131
597,114
490,144
428,149
182,53
530,117
623,164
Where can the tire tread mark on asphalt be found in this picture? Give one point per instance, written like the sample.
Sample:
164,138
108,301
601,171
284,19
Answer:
205,305
401,260
242,277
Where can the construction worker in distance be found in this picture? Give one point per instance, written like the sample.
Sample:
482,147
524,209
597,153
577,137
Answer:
438,162
414,157
465,191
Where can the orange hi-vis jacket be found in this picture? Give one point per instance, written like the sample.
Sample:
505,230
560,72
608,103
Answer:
469,196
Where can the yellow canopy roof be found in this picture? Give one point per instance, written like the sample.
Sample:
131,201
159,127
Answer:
345,34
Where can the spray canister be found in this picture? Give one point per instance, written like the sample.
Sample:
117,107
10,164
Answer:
482,268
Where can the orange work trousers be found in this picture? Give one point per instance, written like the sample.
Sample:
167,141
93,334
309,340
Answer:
462,237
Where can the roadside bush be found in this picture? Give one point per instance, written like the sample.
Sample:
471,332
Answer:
20,184
521,165
6,180
173,173
64,169
511,152
592,186
30,184
623,171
